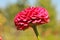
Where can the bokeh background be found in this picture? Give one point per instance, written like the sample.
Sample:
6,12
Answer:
9,8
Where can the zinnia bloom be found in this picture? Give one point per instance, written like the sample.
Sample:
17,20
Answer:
0,38
33,15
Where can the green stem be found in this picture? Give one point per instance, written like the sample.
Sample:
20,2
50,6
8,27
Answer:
36,32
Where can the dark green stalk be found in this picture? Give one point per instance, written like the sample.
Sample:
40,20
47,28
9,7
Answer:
36,32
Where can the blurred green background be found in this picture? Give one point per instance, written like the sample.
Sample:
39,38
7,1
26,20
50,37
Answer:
49,31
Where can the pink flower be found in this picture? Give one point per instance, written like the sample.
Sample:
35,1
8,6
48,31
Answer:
34,15
0,38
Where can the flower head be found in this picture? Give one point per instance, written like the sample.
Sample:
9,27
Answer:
0,38
34,15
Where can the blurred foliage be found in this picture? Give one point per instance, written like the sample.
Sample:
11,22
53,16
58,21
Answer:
52,14
8,31
2,19
13,9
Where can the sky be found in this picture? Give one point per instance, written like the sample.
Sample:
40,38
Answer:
57,5
4,3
